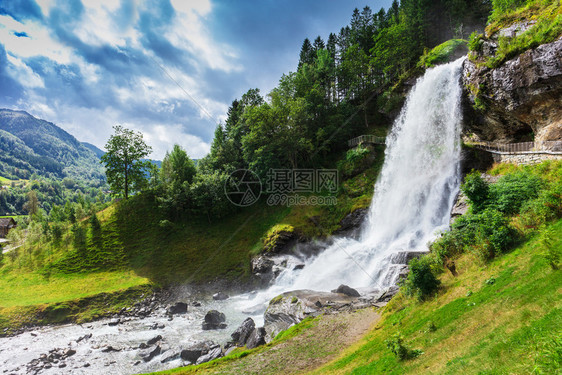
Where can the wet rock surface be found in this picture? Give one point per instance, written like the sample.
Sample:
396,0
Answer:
178,308
243,333
293,307
220,296
522,96
348,291
214,320
350,224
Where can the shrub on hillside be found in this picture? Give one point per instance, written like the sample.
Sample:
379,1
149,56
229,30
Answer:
356,161
421,281
476,190
546,207
396,345
511,191
488,233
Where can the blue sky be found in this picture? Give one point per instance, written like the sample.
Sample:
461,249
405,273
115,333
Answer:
167,68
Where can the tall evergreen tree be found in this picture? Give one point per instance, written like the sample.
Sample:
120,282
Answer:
307,53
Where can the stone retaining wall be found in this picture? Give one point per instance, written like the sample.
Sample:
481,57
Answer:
524,158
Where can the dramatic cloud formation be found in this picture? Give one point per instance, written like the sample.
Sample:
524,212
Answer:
168,68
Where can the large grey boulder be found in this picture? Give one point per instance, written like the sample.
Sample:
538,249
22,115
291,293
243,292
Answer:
213,353
214,320
243,333
257,338
195,351
348,291
293,307
177,308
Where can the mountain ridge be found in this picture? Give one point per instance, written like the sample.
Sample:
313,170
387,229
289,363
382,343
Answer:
29,145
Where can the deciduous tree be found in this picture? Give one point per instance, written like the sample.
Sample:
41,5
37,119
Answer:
125,169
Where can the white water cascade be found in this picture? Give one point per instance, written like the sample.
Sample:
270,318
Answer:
412,199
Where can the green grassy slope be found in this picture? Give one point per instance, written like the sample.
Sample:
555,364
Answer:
137,247
500,318
504,317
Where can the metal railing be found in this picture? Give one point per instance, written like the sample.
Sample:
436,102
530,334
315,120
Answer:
554,147
366,139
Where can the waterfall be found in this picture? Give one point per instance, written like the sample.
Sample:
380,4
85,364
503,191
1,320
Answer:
413,196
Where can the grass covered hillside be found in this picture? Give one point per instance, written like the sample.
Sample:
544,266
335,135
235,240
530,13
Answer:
132,244
497,311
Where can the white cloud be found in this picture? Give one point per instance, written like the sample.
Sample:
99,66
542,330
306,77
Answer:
23,73
158,94
163,137
38,42
97,27
45,6
189,33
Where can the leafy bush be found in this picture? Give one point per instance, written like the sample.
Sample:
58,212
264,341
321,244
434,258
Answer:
421,280
449,245
546,207
356,160
488,232
501,7
513,190
475,41
396,345
476,190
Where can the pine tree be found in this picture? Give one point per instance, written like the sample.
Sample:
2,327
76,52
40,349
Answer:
307,53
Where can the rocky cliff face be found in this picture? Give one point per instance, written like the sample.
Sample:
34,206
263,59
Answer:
519,100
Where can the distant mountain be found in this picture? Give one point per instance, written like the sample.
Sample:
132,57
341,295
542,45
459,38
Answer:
99,153
29,145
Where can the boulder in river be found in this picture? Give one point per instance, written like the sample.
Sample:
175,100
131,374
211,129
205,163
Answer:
214,320
242,333
257,338
348,291
177,308
293,307
193,353
220,296
147,357
154,340
213,353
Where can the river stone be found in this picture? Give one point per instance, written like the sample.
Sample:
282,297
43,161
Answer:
170,358
292,307
257,338
178,308
242,333
348,291
147,357
192,353
220,296
214,353
214,320
154,340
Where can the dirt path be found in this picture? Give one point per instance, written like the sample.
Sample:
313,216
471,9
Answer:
314,347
